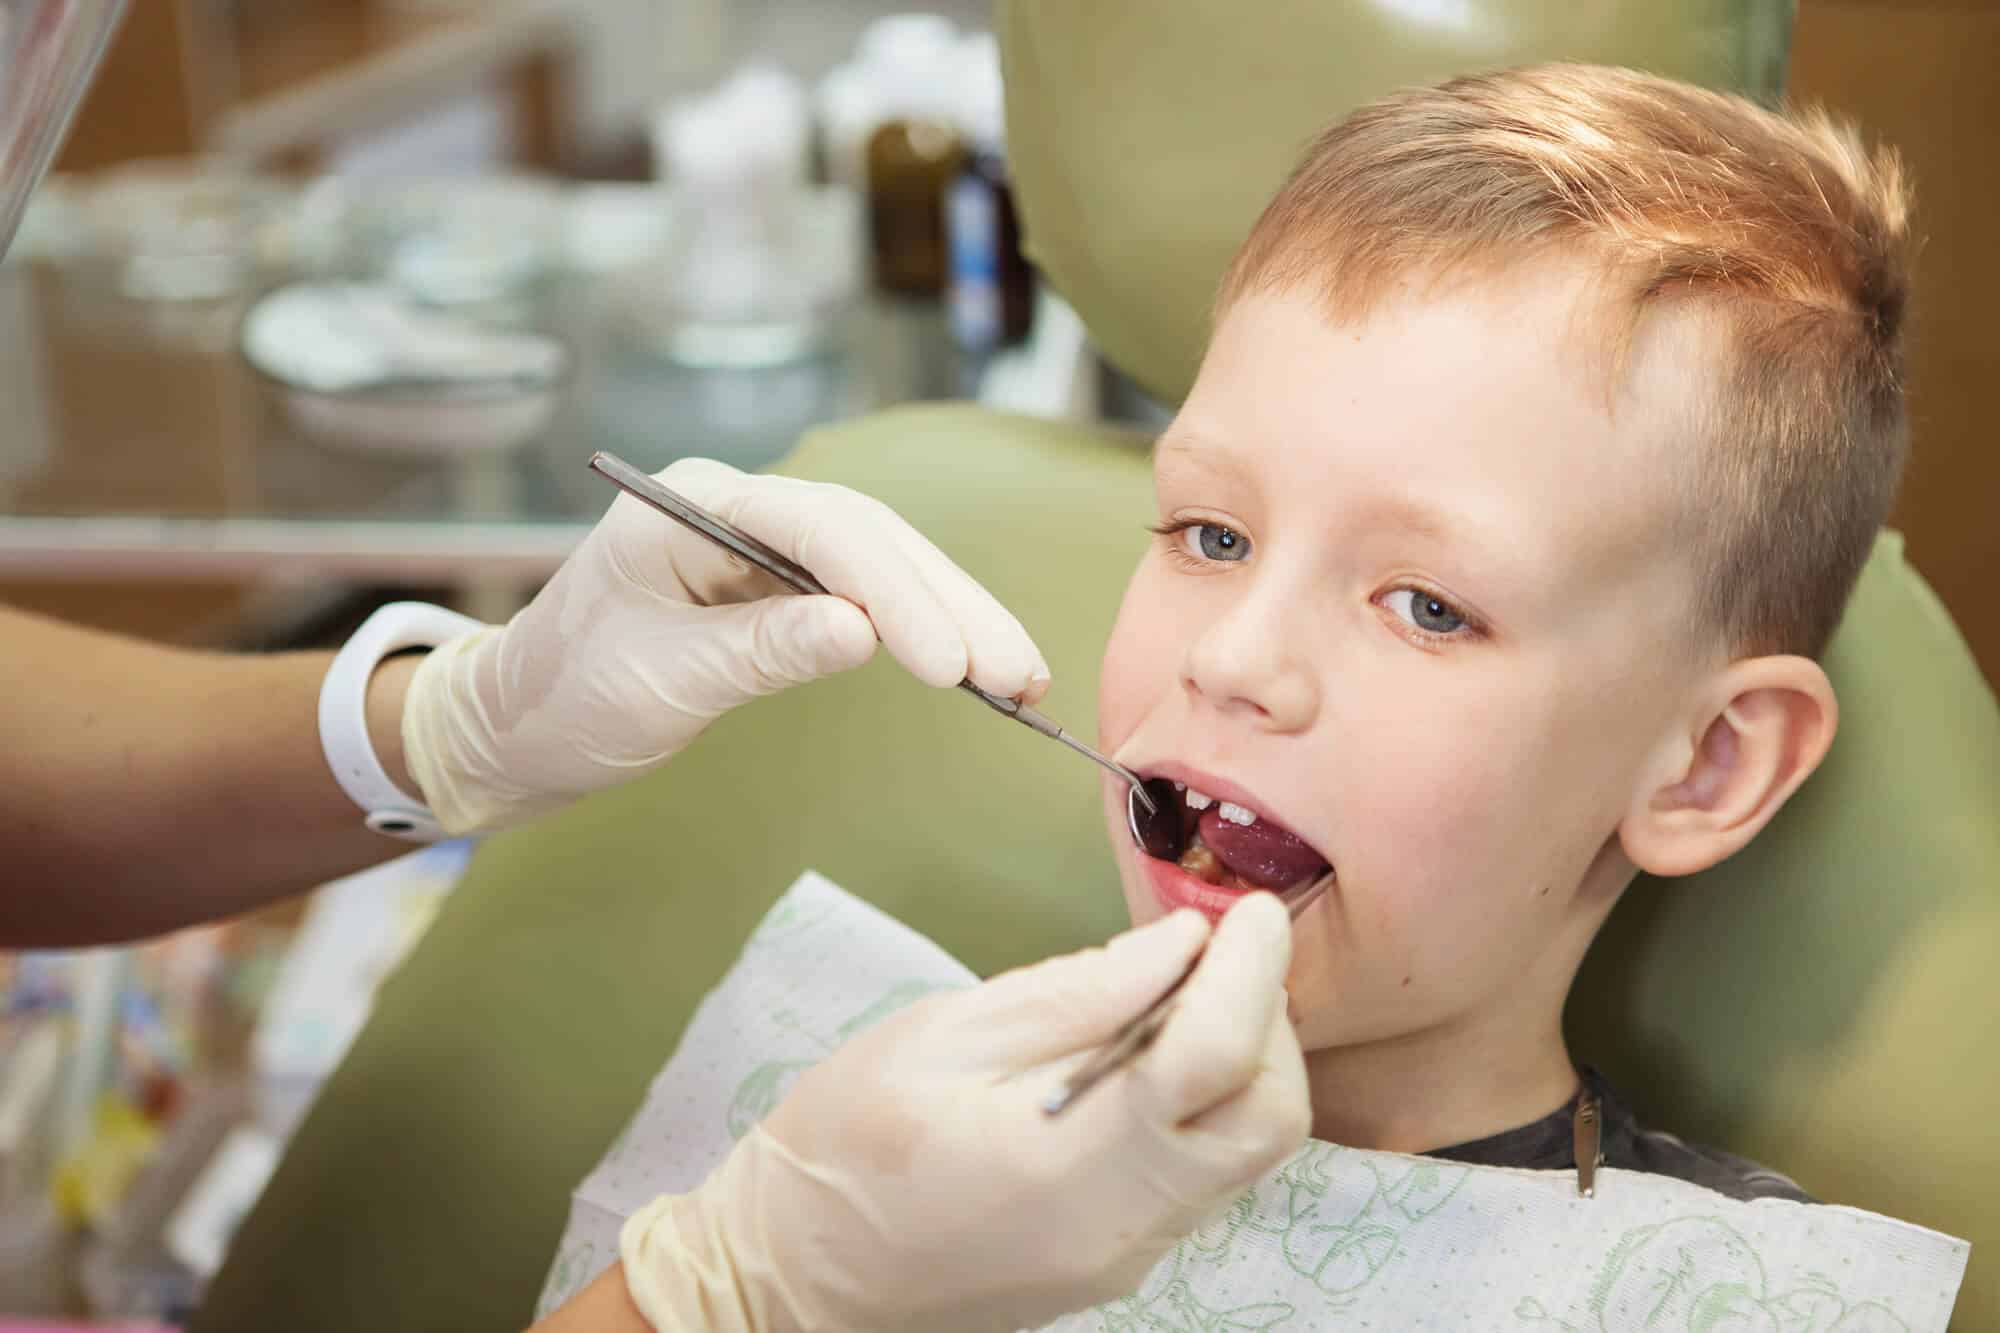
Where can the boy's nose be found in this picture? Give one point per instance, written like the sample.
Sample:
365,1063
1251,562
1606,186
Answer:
1247,663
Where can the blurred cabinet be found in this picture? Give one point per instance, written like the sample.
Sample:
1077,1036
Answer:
299,86
291,83
148,99
1921,74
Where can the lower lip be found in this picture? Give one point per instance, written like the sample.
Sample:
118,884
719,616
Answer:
1175,888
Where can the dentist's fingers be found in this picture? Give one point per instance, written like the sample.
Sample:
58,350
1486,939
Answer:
1213,1045
932,617
1270,1118
1034,1015
1001,658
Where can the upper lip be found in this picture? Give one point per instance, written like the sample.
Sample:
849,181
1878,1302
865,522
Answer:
1223,789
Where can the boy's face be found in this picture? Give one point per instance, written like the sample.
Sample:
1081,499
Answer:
1427,613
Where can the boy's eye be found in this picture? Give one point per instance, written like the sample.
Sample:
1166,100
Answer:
1433,615
1212,541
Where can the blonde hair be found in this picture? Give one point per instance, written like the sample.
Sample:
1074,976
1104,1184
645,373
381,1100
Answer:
1784,230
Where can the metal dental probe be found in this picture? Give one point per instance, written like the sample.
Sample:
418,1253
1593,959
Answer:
795,576
1131,1040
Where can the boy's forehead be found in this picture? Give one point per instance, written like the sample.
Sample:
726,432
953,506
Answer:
1480,407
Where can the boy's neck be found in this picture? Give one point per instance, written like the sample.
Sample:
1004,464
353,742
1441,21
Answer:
1501,1067
1439,1088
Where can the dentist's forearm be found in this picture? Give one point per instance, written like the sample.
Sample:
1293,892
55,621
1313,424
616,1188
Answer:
145,788
387,689
605,1306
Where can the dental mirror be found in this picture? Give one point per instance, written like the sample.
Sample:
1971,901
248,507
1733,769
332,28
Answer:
1158,831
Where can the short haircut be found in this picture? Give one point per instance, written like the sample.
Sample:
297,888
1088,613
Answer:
1782,232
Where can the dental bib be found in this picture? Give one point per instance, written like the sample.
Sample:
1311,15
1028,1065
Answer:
1335,1238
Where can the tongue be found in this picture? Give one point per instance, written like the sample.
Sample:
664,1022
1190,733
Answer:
1261,853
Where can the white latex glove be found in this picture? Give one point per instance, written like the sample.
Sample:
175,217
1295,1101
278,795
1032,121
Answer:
912,1182
648,633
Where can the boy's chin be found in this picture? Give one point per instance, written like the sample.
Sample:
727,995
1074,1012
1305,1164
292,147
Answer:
1140,906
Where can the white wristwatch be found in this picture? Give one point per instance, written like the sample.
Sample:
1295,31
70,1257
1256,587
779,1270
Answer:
343,714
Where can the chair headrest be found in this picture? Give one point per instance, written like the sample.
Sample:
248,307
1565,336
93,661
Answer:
1145,138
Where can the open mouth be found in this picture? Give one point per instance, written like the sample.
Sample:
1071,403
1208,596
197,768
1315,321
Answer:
1223,843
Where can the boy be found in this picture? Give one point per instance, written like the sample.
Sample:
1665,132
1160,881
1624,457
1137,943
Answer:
1547,421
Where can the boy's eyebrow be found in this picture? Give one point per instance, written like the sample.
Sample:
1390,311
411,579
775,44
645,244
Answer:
1184,448
1451,530
1181,448
1413,517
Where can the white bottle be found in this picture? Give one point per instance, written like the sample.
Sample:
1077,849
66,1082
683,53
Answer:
739,287
985,259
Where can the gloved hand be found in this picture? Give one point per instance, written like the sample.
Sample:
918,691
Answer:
911,1181
648,633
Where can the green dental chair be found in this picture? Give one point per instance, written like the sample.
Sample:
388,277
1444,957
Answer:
1824,1002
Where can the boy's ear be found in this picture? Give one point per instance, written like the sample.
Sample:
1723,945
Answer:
1756,734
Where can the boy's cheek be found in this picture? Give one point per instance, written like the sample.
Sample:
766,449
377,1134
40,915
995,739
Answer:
1118,705
1402,953
1418,813
1426,847
1138,661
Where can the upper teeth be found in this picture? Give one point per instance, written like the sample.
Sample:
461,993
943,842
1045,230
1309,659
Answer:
1236,814
1197,801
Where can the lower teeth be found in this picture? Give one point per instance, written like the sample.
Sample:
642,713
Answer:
1200,862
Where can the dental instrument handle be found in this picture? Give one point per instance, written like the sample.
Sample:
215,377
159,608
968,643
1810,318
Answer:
798,578
1124,1047
1047,726
1131,1040
647,491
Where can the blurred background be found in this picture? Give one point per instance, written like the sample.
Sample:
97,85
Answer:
330,300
